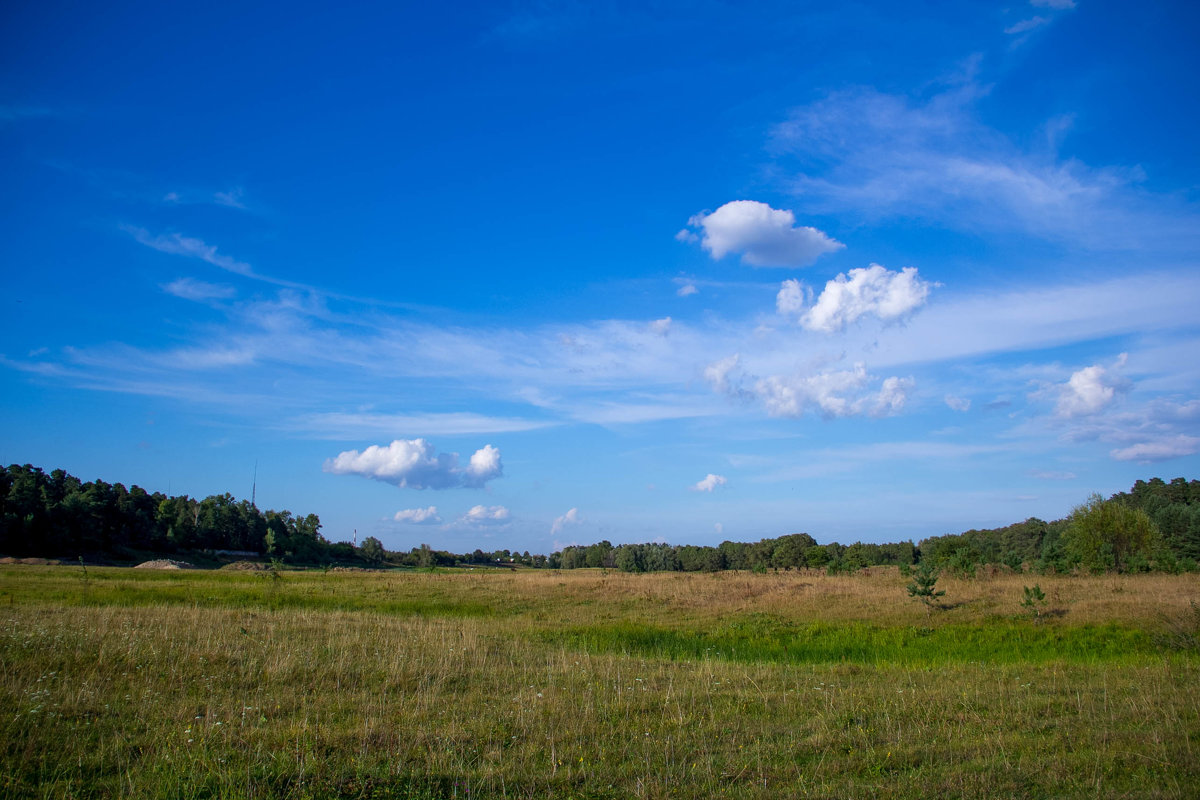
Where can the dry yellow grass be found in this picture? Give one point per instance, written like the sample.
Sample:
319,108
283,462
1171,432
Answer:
177,698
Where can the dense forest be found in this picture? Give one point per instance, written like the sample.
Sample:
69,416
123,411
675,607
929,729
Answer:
1155,525
58,515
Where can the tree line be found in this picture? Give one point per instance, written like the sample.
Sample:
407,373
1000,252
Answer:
56,514
1155,525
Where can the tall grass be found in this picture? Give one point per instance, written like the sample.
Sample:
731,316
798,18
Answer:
587,686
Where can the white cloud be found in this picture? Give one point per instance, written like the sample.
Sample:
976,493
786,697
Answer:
793,297
765,236
1026,25
717,373
661,326
873,291
200,291
835,393
365,425
958,403
1090,390
414,464
1052,475
419,516
876,155
709,482
180,245
1159,449
484,465
231,199
687,290
485,516
570,518
892,396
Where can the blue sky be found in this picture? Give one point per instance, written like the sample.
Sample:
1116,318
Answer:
520,275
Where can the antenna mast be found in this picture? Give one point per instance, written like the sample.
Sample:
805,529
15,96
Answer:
254,485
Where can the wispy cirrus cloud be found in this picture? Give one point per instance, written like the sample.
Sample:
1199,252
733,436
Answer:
883,156
230,199
314,355
359,425
180,245
1026,25
1161,448
572,517
199,291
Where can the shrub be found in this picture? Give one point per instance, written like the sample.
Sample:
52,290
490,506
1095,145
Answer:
1109,535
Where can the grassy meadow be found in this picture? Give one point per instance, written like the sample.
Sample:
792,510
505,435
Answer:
586,684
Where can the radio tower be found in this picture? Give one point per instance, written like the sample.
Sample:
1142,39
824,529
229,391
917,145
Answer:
254,485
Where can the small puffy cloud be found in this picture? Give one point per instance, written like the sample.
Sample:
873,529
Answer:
1159,449
686,236
793,297
661,326
414,464
765,236
718,528
687,290
570,518
482,516
709,482
419,516
1090,390
874,291
200,291
958,403
484,465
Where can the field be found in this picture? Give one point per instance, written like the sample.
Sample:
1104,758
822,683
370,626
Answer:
587,684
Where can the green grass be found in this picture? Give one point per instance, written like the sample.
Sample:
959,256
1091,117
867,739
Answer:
772,641
480,685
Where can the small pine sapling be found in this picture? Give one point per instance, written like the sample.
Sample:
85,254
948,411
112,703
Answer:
924,579
1034,601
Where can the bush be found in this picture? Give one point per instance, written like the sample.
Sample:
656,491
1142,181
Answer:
1106,535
